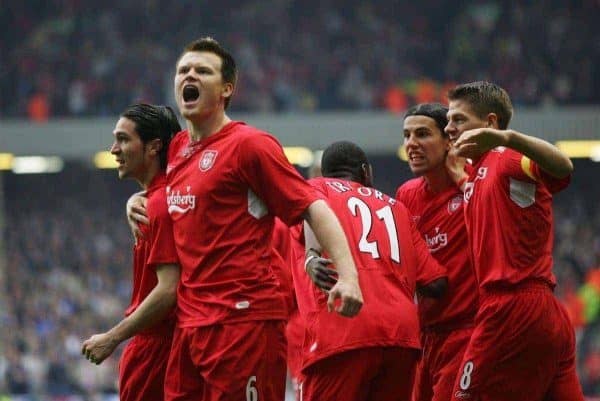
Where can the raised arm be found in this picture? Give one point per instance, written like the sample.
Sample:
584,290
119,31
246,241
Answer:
549,158
546,155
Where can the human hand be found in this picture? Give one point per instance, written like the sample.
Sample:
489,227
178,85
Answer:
136,213
455,165
323,276
99,347
350,295
473,143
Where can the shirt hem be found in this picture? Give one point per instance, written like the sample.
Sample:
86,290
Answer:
228,320
357,345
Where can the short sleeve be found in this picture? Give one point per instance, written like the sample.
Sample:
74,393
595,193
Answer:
519,166
401,194
533,170
161,239
273,179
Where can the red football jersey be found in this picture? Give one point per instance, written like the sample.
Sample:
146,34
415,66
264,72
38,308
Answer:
508,214
289,248
388,251
156,247
282,262
439,217
223,193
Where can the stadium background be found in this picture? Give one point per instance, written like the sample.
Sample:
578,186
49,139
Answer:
311,73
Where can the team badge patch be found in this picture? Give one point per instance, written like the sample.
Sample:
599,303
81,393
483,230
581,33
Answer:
455,203
207,160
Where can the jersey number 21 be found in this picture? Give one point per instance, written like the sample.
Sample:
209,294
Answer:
360,208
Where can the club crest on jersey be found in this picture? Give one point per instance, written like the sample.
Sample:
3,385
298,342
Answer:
207,160
455,203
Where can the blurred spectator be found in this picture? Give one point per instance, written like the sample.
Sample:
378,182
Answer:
83,58
38,109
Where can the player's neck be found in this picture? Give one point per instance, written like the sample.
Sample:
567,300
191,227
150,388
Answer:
146,179
200,129
438,180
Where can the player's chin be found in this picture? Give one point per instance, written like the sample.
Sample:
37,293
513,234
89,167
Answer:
189,111
417,170
123,173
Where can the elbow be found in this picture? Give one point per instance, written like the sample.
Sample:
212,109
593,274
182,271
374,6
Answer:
171,295
568,169
168,294
562,170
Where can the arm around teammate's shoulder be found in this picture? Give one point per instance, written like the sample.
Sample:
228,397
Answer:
547,156
473,143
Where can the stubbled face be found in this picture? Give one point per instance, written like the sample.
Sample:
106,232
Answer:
462,118
425,144
199,86
129,150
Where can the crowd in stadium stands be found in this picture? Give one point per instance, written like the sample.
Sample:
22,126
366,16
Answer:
81,58
69,272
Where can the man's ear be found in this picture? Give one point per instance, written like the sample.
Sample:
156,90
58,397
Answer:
154,146
448,143
492,120
367,171
227,90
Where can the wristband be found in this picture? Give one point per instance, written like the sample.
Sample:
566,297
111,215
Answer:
316,251
307,261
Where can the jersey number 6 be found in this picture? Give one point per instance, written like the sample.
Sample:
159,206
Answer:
251,392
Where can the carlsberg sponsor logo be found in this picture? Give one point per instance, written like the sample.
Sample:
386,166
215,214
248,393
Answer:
437,241
180,203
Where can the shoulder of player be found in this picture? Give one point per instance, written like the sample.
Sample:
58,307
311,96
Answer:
507,161
409,188
411,185
248,133
157,204
177,142
179,138
500,154
329,185
318,181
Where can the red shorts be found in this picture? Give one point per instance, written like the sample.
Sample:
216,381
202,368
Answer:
522,348
229,362
142,367
442,356
294,333
364,374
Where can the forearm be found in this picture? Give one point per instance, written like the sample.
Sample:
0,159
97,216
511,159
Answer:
546,155
329,235
153,309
